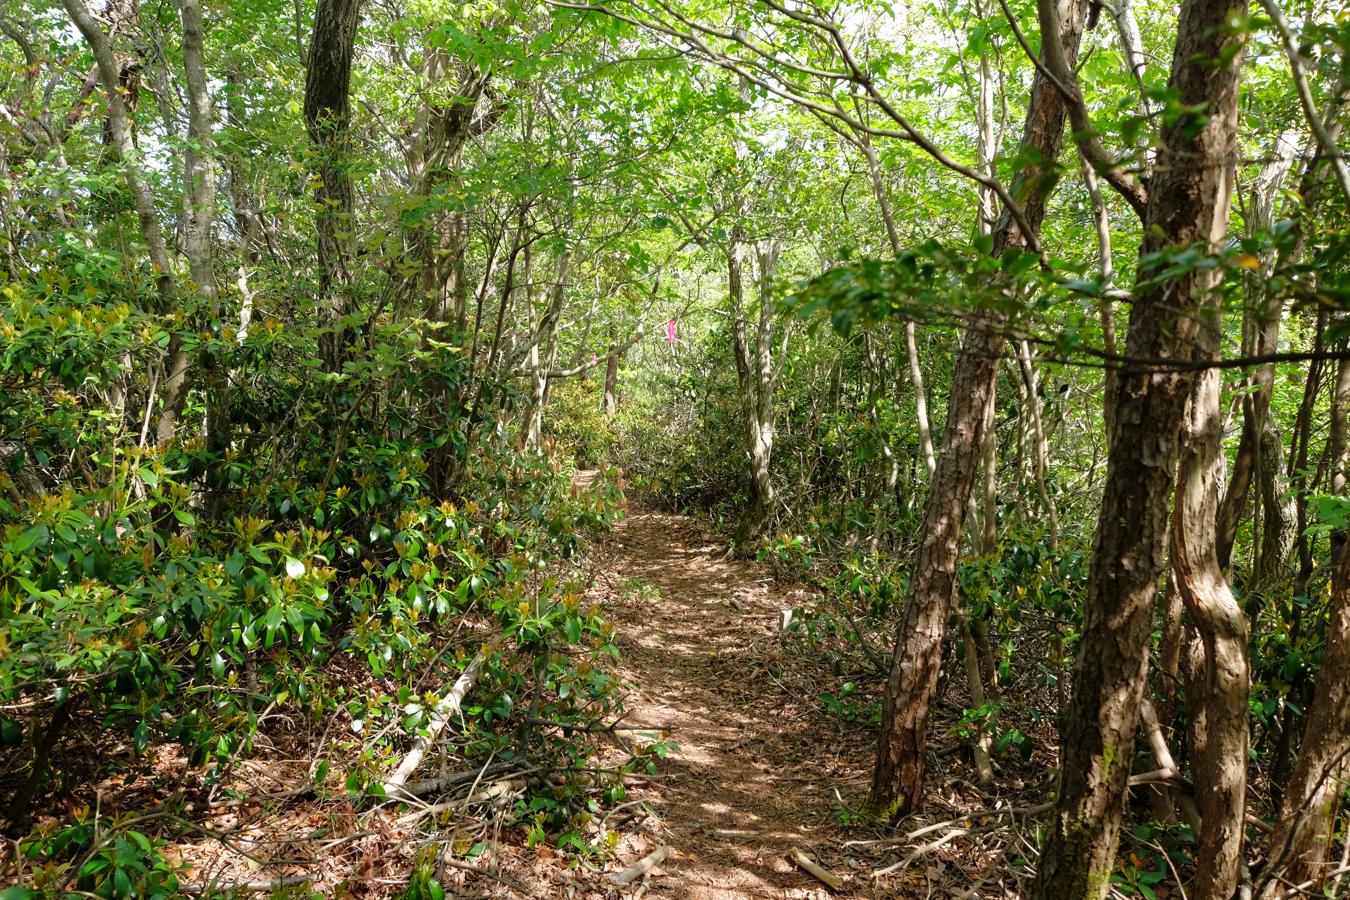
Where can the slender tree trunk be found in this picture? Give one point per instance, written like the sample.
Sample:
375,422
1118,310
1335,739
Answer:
897,780
1261,337
328,119
1188,204
120,140
911,341
1041,447
1300,842
199,209
1219,671
246,213
755,372
610,404
544,353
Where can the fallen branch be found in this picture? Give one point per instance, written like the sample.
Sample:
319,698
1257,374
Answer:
485,873
825,876
245,887
641,867
445,783
964,817
497,792
447,706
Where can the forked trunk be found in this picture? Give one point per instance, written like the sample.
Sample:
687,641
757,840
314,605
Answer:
1188,205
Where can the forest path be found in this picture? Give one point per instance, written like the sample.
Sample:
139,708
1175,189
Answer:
753,775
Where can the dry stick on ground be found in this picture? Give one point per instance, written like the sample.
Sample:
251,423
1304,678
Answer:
479,870
245,887
447,707
938,826
641,867
823,875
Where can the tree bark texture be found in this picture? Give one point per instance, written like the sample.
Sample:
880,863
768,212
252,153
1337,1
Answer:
1219,671
897,780
328,121
1189,199
755,373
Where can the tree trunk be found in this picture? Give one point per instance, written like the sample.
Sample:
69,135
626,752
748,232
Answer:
897,780
1299,845
1189,199
1277,509
443,126
755,372
119,138
1261,337
1219,671
610,404
543,354
911,343
328,119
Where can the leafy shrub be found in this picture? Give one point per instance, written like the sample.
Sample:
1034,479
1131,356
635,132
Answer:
171,593
578,424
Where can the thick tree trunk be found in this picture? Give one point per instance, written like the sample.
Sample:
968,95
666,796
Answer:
327,119
897,780
1189,199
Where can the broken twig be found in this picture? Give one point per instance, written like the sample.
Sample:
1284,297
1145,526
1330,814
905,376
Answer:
641,867
825,876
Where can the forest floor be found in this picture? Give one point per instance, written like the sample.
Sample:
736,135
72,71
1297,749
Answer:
754,773
765,761
762,768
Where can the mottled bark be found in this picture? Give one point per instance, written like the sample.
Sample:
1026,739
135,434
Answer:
199,206
1189,198
756,375
897,780
1219,671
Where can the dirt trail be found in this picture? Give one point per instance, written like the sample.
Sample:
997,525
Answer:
751,778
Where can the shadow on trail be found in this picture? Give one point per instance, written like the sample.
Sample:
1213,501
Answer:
745,785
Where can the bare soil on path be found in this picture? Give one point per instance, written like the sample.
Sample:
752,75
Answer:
757,765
